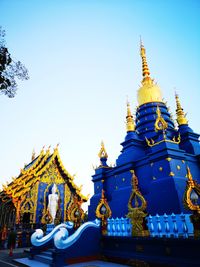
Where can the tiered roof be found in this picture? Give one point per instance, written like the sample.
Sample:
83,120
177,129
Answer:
32,172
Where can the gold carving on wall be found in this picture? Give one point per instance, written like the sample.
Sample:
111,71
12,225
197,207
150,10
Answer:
52,175
137,212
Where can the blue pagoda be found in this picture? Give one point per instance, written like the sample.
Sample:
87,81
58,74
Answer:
157,151
148,204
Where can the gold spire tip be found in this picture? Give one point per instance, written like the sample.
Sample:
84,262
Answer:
130,127
181,116
149,91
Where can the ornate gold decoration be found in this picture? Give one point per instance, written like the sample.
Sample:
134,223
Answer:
75,212
193,187
103,212
168,159
137,213
35,194
102,152
160,169
181,117
67,196
149,91
45,168
160,124
178,167
171,174
52,175
27,206
130,127
151,142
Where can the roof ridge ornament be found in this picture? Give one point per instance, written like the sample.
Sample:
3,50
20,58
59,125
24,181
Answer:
33,155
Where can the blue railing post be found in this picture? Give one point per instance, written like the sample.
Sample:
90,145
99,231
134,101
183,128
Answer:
159,228
167,229
151,226
175,228
184,226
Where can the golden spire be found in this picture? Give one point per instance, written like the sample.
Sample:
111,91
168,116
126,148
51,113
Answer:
102,152
130,127
149,91
181,117
145,68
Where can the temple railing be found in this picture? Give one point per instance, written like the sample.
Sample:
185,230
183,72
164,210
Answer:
174,225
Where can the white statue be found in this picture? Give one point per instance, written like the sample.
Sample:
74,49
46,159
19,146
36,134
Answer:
53,203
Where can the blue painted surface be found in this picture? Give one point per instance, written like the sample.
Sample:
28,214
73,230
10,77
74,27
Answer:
163,192
33,263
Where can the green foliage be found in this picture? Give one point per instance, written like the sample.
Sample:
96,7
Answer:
9,70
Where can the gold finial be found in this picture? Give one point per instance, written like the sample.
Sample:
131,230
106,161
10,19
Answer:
145,68
102,152
130,127
149,91
160,123
181,117
33,155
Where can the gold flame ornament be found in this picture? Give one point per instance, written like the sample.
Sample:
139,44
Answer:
160,124
103,212
102,152
137,212
193,191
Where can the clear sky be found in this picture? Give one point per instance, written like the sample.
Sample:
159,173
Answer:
83,60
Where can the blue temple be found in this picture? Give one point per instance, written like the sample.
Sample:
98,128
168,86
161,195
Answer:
157,150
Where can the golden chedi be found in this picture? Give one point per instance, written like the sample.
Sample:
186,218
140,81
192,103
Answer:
149,91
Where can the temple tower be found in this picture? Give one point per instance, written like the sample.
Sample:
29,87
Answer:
156,150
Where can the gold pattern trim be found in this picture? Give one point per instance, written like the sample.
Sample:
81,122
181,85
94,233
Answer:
175,140
191,186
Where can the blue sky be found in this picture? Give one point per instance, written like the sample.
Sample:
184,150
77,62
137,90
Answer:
83,60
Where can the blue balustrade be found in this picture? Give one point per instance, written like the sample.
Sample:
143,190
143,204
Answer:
174,225
119,227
